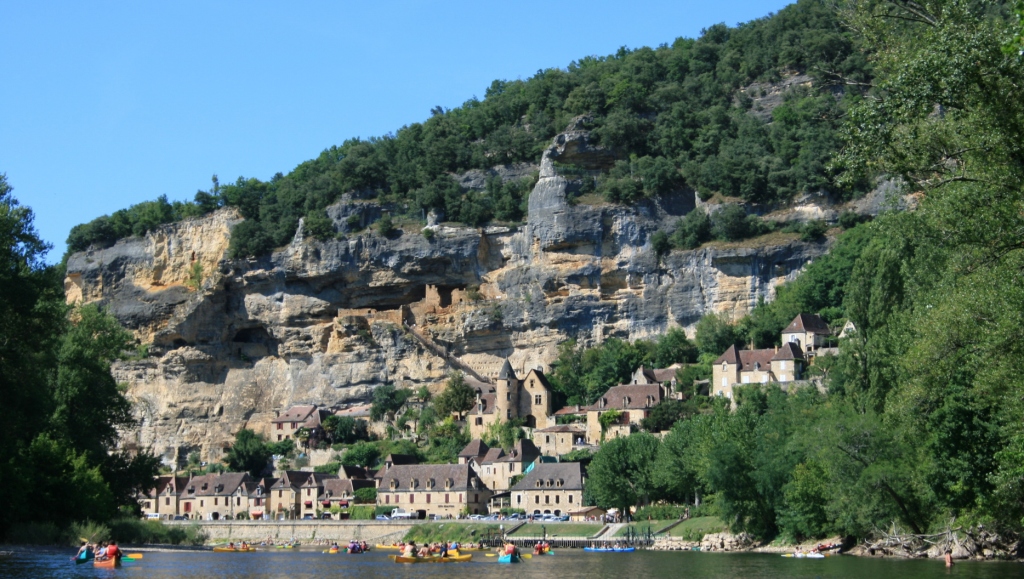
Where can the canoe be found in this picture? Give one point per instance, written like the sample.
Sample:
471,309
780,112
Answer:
805,555
109,563
88,557
459,559
395,547
509,559
609,550
233,550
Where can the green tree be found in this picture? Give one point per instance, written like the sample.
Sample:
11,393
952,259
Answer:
621,474
715,334
387,400
366,495
457,398
249,453
365,454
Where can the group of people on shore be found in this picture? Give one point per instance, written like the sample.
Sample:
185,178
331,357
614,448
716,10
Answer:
99,551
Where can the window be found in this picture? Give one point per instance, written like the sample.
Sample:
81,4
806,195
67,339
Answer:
258,501
570,498
460,497
238,501
167,501
547,500
149,505
202,503
536,499
519,499
446,499
280,494
508,396
538,400
280,426
307,492
509,413
278,437
746,379
547,439
428,498
476,498
532,382
556,499
188,507
479,421
412,498
782,364
215,503
293,426
724,383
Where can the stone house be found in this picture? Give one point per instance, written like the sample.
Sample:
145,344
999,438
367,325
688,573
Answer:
808,331
497,468
258,496
511,398
212,497
433,489
340,492
163,498
284,426
633,401
664,376
285,496
310,492
550,488
560,439
737,367
474,453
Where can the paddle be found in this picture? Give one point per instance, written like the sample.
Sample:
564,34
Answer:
132,556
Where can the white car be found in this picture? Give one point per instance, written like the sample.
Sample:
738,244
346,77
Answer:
402,514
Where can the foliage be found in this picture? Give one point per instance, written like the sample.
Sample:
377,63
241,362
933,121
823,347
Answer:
668,412
345,429
621,473
385,226
684,114
581,375
248,454
195,276
284,447
387,400
457,398
330,468
715,334
503,433
365,454
367,495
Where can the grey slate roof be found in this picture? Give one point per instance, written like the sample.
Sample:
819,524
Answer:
549,475
461,477
506,372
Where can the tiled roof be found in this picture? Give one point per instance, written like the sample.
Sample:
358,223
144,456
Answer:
358,411
629,397
317,479
475,448
577,409
540,378
216,484
338,487
524,451
292,478
808,323
789,351
353,472
401,459
492,455
549,474
296,414
166,483
487,401
663,375
461,477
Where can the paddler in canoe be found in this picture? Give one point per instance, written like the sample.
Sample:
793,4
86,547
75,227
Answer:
110,552
85,553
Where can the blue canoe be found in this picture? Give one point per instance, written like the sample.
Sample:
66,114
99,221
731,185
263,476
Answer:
609,550
84,558
509,559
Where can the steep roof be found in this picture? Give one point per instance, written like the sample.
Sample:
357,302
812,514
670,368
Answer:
215,484
475,448
506,372
296,414
317,479
338,487
663,375
400,459
461,477
551,476
492,455
353,472
485,400
629,397
731,356
808,323
789,351
539,375
524,451
167,484
291,478
756,359
569,410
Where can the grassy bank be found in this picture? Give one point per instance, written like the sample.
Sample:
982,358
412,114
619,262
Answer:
640,528
130,531
694,529
462,532
558,529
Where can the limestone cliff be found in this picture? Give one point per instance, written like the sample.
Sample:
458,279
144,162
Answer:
328,321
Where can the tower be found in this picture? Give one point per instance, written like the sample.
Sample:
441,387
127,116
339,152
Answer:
506,393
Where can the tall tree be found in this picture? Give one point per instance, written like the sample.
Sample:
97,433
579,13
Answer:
249,453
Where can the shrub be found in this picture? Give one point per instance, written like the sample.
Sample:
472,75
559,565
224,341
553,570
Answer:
660,512
692,230
88,531
366,495
813,230
428,233
363,512
329,468
660,243
385,226
730,223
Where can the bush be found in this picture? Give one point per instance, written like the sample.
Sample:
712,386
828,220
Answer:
660,243
813,230
428,233
366,495
363,512
36,534
660,512
329,468
731,224
692,230
88,531
385,226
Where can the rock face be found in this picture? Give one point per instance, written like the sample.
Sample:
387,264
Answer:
326,322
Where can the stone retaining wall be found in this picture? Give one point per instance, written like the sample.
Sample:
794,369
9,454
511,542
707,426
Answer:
369,531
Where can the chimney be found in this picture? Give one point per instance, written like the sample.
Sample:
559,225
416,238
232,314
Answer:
776,349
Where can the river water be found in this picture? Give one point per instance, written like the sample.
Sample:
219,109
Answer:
565,564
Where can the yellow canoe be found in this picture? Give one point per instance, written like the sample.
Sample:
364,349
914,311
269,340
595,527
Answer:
395,547
233,550
459,559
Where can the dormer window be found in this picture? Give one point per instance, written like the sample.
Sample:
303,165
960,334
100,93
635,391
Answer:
414,483
548,483
448,483
757,365
725,366
394,484
604,402
430,483
204,486
558,483
625,401
538,483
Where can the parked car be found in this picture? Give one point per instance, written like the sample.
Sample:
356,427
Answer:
402,514
476,517
563,518
308,517
325,516
383,518
180,518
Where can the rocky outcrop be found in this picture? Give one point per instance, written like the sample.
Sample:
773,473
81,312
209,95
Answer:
328,321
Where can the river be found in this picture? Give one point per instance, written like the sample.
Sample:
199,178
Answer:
311,563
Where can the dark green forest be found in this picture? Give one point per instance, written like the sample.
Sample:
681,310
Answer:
676,116
921,422
59,455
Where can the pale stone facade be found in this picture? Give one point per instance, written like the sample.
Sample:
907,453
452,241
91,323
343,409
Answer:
550,488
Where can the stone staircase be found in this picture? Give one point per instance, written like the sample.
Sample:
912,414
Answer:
440,352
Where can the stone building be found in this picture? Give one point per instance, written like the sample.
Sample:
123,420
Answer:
632,401
560,439
528,399
808,331
212,497
284,425
497,468
550,488
738,367
162,499
433,489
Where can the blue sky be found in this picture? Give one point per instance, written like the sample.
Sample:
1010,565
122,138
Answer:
106,104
